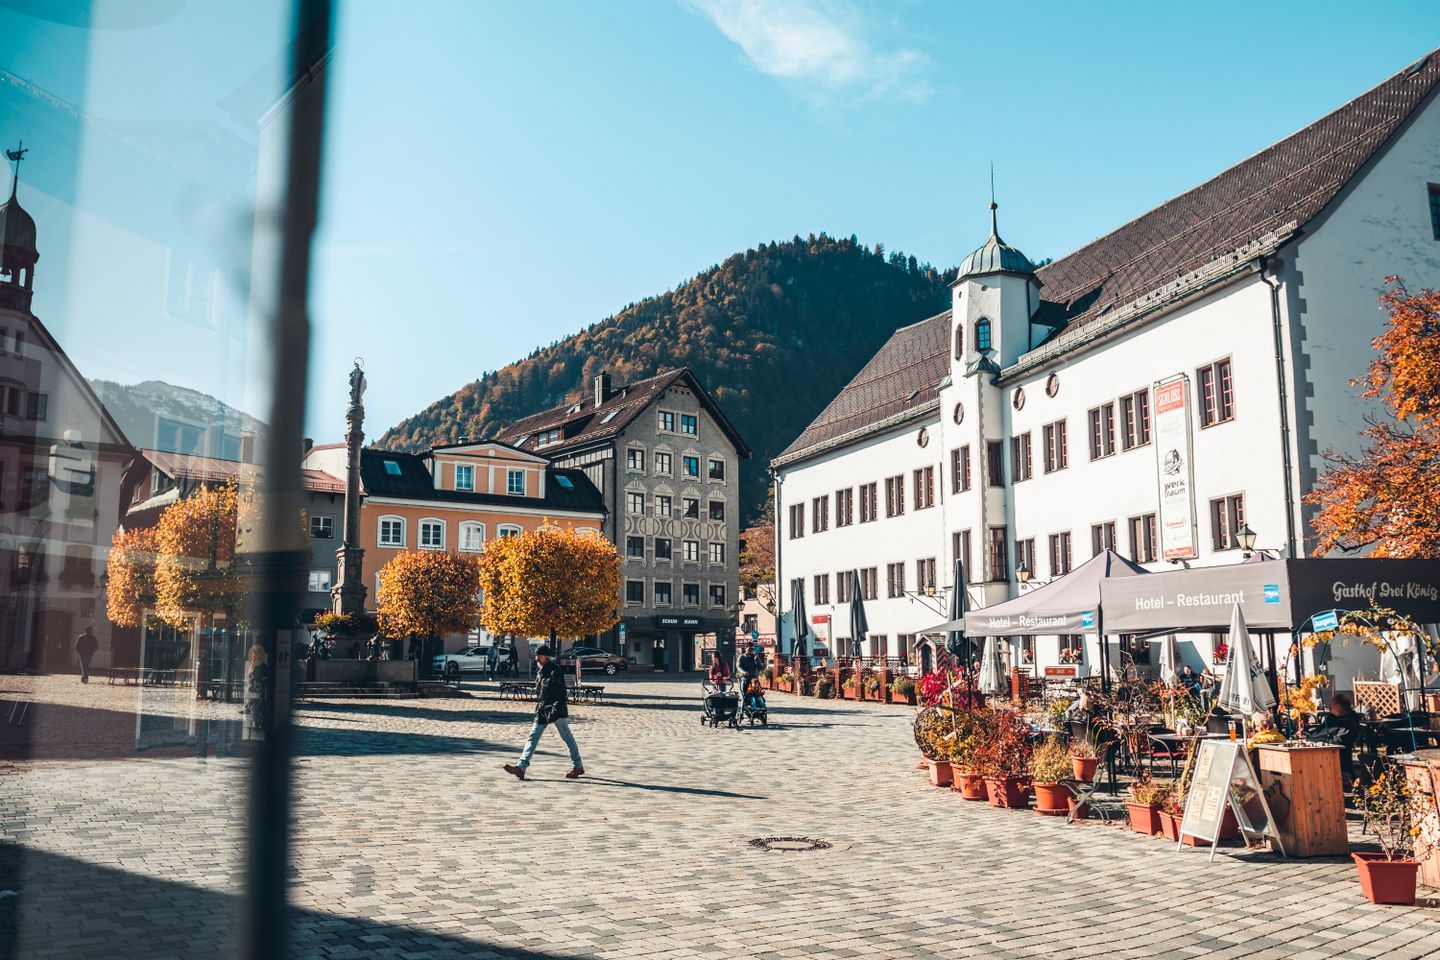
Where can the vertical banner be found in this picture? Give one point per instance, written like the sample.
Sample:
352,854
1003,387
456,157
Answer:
1175,471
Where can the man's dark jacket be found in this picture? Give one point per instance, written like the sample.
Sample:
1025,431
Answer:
550,704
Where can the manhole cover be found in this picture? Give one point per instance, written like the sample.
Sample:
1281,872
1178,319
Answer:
790,844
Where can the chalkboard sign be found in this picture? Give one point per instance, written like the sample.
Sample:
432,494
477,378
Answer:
1224,778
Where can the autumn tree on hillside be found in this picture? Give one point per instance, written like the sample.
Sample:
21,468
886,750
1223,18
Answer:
757,554
428,594
130,576
1387,498
550,582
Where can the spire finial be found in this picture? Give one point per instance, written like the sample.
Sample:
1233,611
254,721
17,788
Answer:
16,155
994,232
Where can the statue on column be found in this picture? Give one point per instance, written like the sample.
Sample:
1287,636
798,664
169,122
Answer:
348,596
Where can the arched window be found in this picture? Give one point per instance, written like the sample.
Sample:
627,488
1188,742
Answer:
392,532
508,530
982,334
472,536
432,534
587,531
959,341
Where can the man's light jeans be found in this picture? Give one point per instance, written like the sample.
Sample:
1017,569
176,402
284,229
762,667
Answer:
562,727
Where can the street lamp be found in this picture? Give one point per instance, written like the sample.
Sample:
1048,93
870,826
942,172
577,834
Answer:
1022,573
1246,538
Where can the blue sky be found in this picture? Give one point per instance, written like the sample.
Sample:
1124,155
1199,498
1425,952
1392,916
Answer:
500,175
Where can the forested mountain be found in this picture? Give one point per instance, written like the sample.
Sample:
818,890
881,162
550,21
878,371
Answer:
773,333
159,415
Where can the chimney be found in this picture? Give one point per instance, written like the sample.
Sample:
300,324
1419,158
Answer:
247,446
602,388
306,446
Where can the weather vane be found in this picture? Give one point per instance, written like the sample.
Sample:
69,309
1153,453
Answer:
16,155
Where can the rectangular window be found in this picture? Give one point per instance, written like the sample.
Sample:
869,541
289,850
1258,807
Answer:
667,421
464,476
692,507
635,503
717,594
869,502
1025,553
870,583
635,548
662,505
321,581
472,536
821,590
820,514
717,509
635,459
1227,515
1135,419
690,594
635,592
999,557
432,535
894,580
664,548
960,549
717,469
322,526
692,551
844,507
392,532
797,521
1102,431
1217,393
925,573
37,405
689,425
515,482
1433,190
1059,554
690,468
1102,538
924,488
1057,446
894,496
664,593
1142,538
662,465
717,553
994,463
960,469
1020,461
844,584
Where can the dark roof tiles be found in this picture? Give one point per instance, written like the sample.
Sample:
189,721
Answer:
413,481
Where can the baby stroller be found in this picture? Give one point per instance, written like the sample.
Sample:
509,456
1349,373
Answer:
753,707
720,705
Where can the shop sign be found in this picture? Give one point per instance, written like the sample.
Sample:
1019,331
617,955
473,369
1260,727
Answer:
1067,670
819,619
1175,470
677,622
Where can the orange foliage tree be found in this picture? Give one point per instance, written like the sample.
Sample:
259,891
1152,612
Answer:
130,576
1387,498
196,572
550,582
427,594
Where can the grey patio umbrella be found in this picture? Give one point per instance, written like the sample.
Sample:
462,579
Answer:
992,669
959,604
800,628
859,625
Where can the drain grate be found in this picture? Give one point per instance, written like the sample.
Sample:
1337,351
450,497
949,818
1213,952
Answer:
790,844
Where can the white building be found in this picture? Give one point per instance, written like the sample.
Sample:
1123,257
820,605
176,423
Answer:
1020,425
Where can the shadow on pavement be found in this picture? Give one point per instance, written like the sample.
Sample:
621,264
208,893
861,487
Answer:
69,908
311,742
663,788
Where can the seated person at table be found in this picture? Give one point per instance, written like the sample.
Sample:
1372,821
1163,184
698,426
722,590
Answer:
1341,726
1262,727
1188,680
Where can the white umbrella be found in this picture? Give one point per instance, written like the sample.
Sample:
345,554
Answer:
1401,666
1169,672
1244,690
992,670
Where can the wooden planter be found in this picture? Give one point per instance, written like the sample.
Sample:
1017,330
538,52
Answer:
1386,881
1007,792
968,784
1144,817
1051,800
940,773
850,693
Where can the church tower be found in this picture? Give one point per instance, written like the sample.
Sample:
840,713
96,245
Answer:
17,246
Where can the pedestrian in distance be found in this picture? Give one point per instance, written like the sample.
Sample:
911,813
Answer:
551,709
85,647
492,660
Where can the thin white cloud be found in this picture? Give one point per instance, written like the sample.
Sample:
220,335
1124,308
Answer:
819,45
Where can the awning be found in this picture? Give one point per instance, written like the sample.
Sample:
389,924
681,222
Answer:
1273,595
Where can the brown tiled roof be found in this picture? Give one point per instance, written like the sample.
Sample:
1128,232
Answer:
1291,181
903,376
215,470
583,423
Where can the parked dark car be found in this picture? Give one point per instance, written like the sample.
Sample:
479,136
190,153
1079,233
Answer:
593,658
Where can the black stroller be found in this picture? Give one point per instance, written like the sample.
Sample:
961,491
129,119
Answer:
720,705
752,706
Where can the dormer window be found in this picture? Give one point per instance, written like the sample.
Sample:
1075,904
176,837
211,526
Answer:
982,334
464,476
515,483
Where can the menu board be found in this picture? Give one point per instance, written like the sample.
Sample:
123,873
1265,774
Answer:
1224,778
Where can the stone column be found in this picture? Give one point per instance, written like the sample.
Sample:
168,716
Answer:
348,596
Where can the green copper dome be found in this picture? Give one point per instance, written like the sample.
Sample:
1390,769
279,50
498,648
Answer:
995,256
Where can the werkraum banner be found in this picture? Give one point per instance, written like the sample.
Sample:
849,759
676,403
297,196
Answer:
1174,469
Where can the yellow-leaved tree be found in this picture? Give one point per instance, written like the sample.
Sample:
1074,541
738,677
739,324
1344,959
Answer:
130,576
196,571
550,581
428,594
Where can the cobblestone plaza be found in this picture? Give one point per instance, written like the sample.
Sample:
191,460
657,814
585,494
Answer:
411,842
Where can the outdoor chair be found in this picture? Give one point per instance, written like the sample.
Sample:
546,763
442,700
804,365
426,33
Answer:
1084,791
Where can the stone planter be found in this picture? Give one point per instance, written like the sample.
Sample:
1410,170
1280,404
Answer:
1386,881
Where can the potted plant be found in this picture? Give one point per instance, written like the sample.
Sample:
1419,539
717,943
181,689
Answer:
932,736
902,690
823,688
964,740
850,687
1049,766
870,684
1083,759
1002,756
1387,876
767,677
1144,806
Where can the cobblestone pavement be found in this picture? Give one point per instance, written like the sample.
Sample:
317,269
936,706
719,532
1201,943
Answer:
411,842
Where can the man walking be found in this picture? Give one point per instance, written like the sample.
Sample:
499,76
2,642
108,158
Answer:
492,659
85,647
550,707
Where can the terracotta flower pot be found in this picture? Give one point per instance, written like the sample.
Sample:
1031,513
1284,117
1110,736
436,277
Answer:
1144,817
1170,826
1084,768
940,775
1051,800
1081,811
1229,829
1007,792
1386,881
969,785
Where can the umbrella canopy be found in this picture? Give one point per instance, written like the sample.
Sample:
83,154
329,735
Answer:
1244,689
1169,661
959,603
859,625
800,628
1068,604
992,669
1404,668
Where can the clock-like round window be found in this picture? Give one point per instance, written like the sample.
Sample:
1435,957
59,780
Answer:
923,437
959,414
1019,400
1052,385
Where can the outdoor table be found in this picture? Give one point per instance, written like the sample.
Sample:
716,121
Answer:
1306,797
1424,735
1172,740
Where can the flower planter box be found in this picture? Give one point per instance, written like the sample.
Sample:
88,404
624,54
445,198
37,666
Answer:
850,693
1051,800
940,773
1144,817
1170,826
1006,792
970,786
1386,881
1084,768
